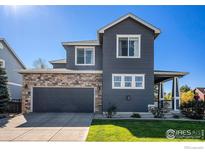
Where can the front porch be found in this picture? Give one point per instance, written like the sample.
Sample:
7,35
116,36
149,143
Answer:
160,77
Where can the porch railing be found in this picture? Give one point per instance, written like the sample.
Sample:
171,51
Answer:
167,104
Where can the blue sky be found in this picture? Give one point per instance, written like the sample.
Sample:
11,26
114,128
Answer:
37,31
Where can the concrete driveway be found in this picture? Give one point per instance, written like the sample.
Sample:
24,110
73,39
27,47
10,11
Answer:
46,127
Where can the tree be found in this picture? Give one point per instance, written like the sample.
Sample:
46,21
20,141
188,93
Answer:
40,64
185,88
4,94
168,96
187,96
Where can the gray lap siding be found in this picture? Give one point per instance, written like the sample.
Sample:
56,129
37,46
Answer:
70,51
140,98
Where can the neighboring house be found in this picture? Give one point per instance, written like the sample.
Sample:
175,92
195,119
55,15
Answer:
201,93
116,69
12,64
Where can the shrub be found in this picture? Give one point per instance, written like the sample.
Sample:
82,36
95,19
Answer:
194,109
176,116
187,96
111,111
157,112
135,115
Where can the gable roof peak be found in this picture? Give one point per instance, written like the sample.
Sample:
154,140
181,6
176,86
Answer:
134,17
13,52
201,89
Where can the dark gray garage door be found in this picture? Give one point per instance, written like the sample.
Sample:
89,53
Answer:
63,99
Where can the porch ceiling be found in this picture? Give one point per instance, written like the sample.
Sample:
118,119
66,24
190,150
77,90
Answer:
160,75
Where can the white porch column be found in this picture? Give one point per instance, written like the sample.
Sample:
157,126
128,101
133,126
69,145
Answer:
161,95
175,94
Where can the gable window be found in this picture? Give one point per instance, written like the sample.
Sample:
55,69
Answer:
128,46
84,56
128,81
2,63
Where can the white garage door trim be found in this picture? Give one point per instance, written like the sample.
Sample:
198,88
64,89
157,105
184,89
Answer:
31,110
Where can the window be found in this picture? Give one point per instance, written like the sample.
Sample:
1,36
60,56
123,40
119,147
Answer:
2,63
117,81
128,81
84,56
138,81
128,46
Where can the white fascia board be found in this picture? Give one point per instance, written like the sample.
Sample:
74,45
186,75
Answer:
59,61
170,73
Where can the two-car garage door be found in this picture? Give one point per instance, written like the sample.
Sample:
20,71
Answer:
54,99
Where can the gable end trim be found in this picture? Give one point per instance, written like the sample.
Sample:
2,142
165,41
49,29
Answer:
156,30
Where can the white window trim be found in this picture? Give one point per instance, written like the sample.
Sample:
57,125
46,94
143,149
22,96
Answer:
117,44
133,81
3,62
77,47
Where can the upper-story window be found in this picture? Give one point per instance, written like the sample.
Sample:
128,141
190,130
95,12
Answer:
84,56
2,63
128,46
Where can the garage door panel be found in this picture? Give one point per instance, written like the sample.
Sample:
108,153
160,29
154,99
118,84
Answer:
63,99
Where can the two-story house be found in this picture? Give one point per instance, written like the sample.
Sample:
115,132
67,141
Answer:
116,69
12,64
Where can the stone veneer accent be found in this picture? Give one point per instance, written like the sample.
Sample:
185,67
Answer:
86,80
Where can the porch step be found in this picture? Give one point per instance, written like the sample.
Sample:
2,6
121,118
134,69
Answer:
146,115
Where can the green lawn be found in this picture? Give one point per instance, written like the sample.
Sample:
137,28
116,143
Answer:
139,130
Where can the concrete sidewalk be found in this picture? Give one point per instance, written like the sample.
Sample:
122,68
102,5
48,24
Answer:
46,127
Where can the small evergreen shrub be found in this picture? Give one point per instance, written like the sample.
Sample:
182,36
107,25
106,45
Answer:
135,115
176,116
157,112
111,111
